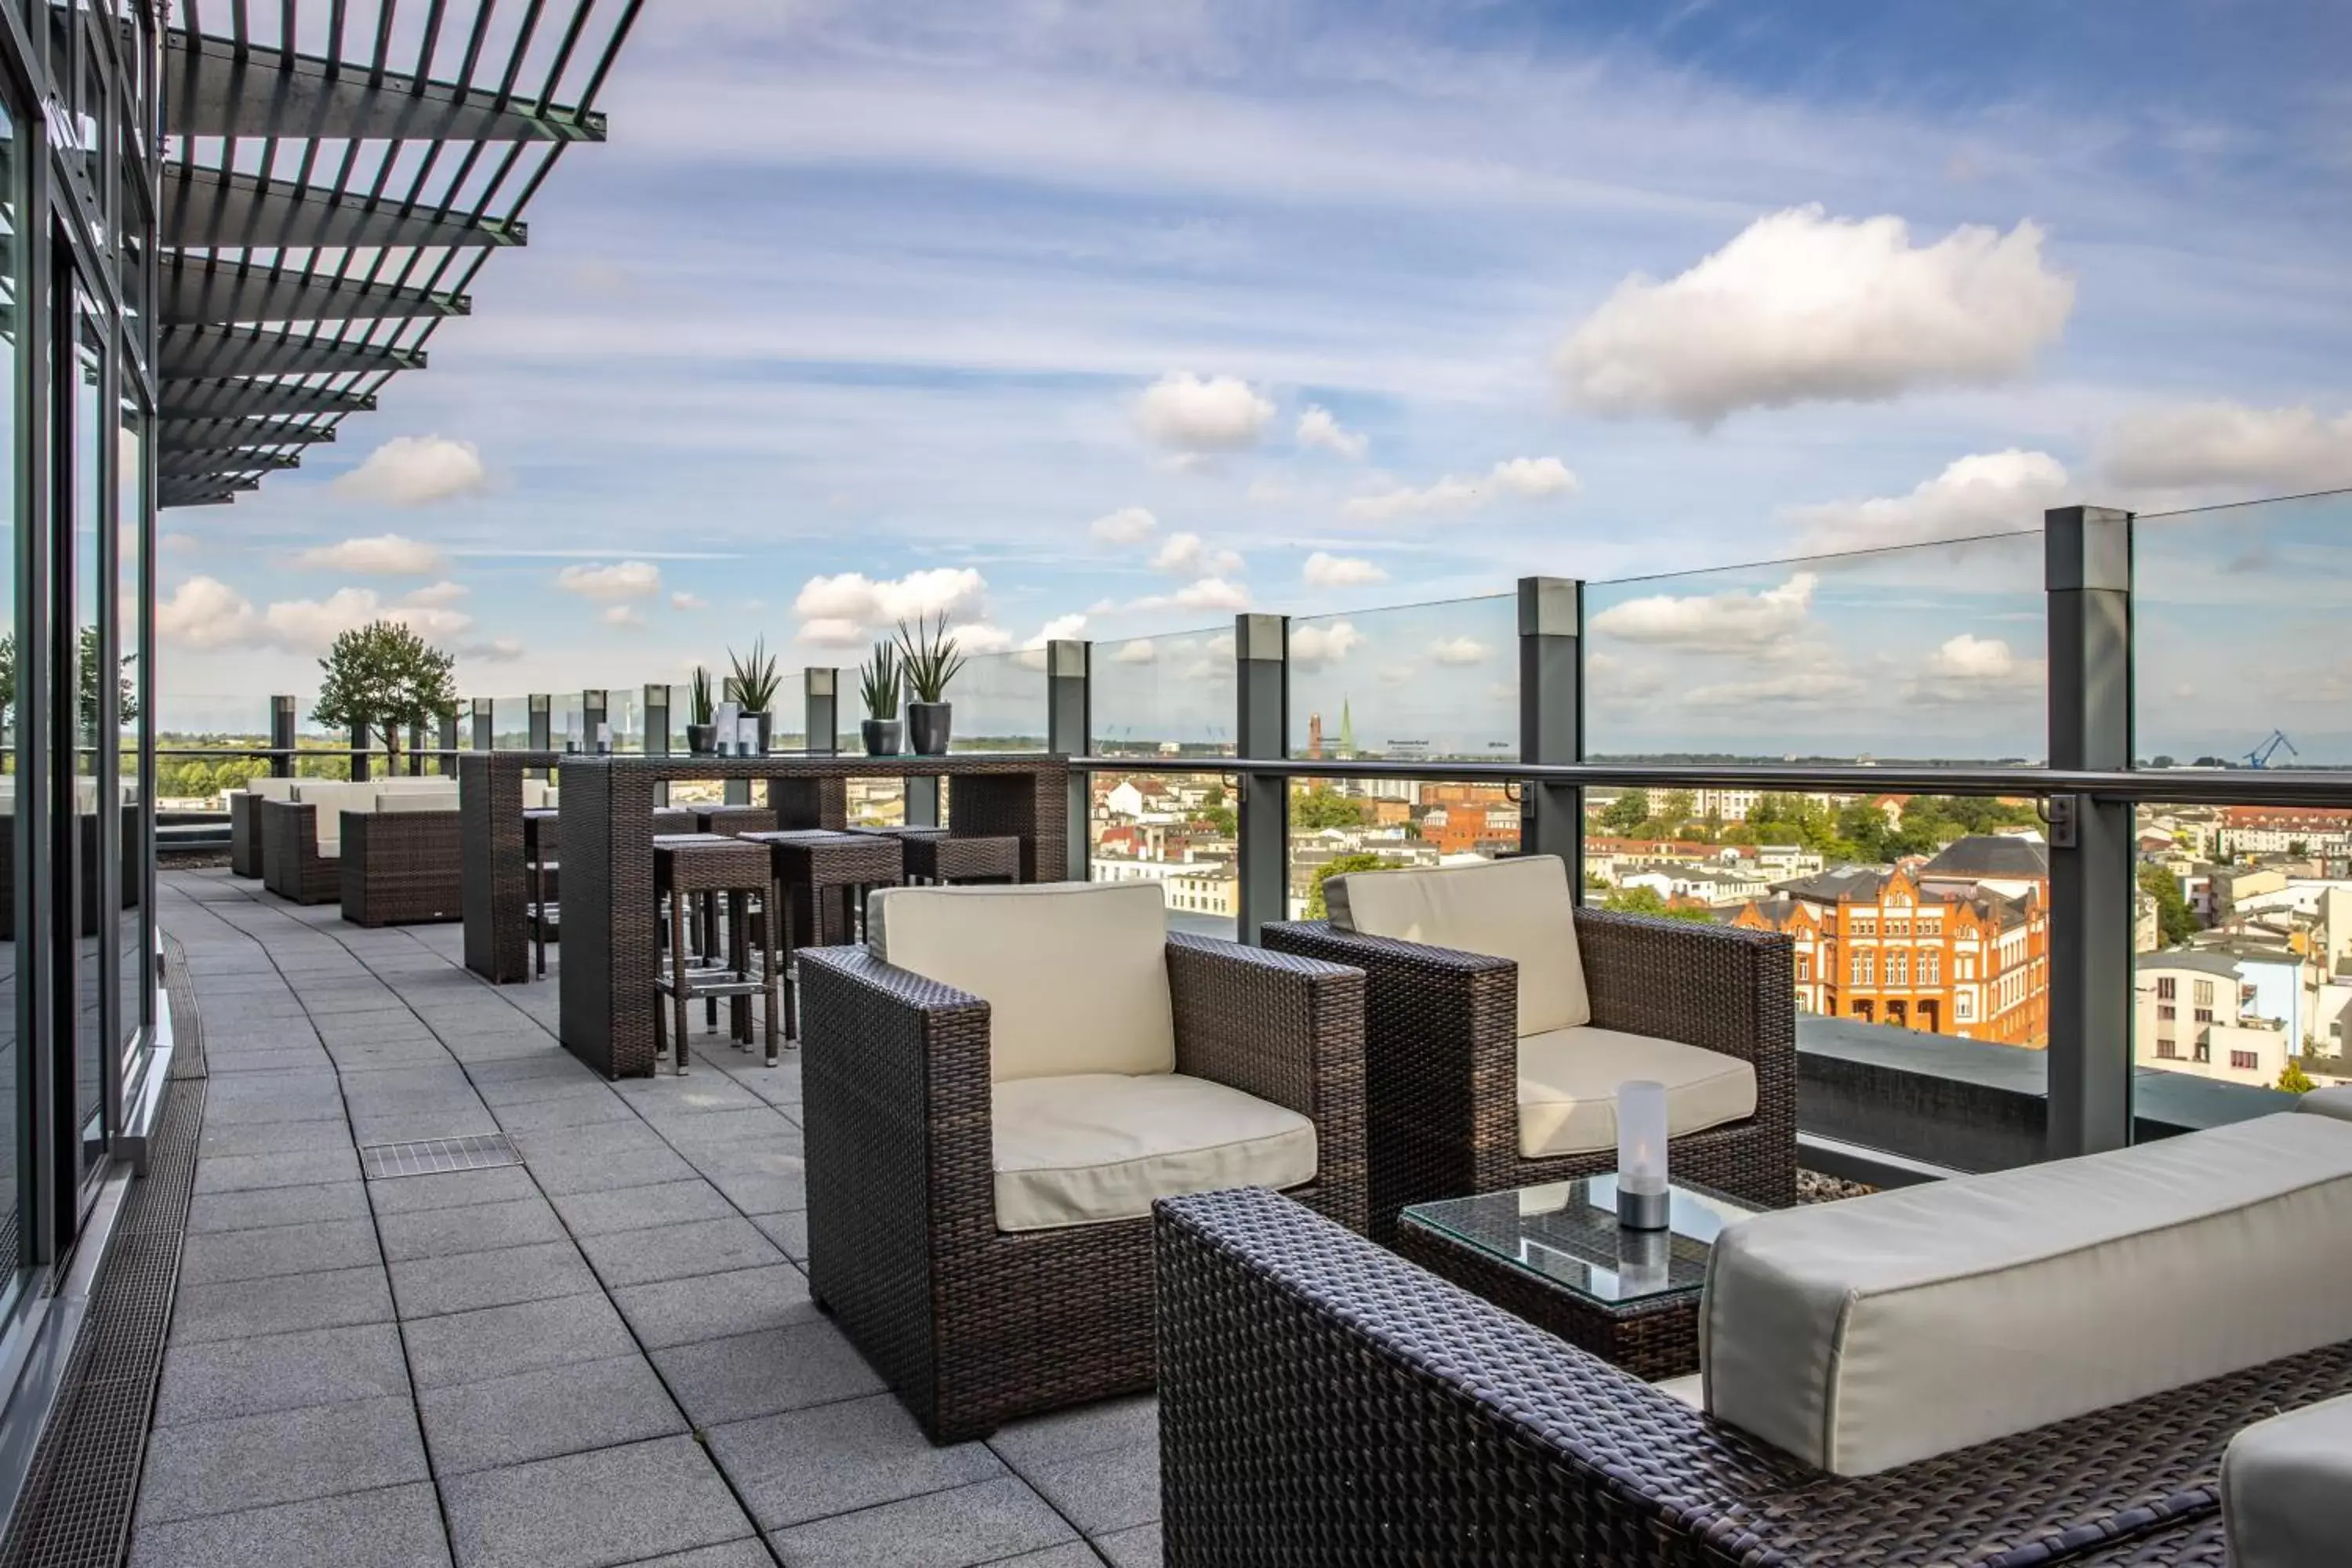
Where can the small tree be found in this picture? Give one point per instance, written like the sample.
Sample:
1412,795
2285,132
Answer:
2176,923
86,675
2294,1080
1315,809
382,678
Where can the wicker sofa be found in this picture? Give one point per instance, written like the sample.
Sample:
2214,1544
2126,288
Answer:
1501,966
245,822
402,859
1322,1400
966,1229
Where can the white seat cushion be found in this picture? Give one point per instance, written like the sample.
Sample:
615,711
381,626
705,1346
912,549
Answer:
418,800
272,788
2286,1489
535,792
2336,1102
1866,1334
1568,1079
1102,1146
1074,973
331,798
1518,908
424,783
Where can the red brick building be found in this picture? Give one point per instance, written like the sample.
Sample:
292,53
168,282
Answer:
1957,945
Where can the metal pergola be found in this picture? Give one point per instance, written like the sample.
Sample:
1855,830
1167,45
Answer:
337,173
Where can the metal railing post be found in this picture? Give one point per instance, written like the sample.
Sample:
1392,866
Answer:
1069,732
821,686
281,737
1551,718
2089,579
592,705
656,712
416,758
538,733
1262,729
446,740
361,770
486,724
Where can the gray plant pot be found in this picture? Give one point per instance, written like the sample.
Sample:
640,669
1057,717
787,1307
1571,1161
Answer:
767,725
881,737
927,726
702,740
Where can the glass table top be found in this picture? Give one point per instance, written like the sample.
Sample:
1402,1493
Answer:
1566,1233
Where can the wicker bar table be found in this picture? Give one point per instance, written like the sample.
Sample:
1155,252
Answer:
607,975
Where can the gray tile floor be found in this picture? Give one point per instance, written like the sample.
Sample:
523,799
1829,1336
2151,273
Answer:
606,1355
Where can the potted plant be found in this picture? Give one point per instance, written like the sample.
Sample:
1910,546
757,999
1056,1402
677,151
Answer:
932,661
755,683
877,683
701,721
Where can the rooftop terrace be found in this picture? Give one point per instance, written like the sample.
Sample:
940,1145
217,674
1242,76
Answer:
605,1353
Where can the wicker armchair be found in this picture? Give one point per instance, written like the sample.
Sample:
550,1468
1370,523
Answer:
974,1325
400,866
1441,1053
293,863
1322,1400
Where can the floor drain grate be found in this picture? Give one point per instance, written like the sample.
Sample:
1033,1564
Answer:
437,1156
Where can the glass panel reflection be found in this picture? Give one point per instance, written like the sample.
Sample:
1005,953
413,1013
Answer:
1169,696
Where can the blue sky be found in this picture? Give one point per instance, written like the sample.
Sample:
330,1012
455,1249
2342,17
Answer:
924,293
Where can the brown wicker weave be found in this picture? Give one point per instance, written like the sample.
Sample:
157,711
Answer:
291,866
1324,1401
731,821
936,854
609,932
1441,1052
244,833
971,1326
400,867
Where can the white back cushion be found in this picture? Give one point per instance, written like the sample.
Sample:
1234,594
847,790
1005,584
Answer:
1518,908
418,800
423,785
537,794
1866,1334
331,799
272,788
1074,973
2286,1487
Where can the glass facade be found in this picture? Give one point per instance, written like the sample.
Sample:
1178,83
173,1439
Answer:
77,360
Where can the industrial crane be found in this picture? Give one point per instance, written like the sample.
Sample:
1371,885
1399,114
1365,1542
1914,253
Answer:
2260,757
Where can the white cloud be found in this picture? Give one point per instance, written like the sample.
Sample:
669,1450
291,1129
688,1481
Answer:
431,622
1733,622
2200,445
1141,651
1458,651
313,624
1186,555
1128,525
1318,427
623,615
979,636
1987,492
684,601
1317,643
1185,414
1800,307
1527,479
1208,594
1969,668
206,613
497,650
438,594
1610,680
415,470
620,581
382,555
832,631
1061,629
861,601
1324,570
1270,492
1796,689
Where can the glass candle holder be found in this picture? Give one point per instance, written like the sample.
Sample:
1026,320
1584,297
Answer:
1642,1199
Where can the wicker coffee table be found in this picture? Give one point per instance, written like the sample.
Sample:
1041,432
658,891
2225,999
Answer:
1556,1255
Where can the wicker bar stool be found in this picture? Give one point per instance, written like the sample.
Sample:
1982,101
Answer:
821,879
690,865
935,854
734,821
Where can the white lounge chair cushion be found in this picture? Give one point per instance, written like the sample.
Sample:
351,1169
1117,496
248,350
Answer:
272,788
2336,1102
418,800
1518,909
1568,1079
1074,973
1865,1334
536,794
1101,1146
422,785
331,798
2286,1489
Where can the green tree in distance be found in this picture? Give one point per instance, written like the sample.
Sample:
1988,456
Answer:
2294,1080
1648,901
1315,809
2176,923
382,678
1340,866
1627,812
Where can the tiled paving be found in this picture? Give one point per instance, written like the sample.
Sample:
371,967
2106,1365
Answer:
603,1357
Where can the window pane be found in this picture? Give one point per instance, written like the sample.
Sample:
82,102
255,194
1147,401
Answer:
1165,696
